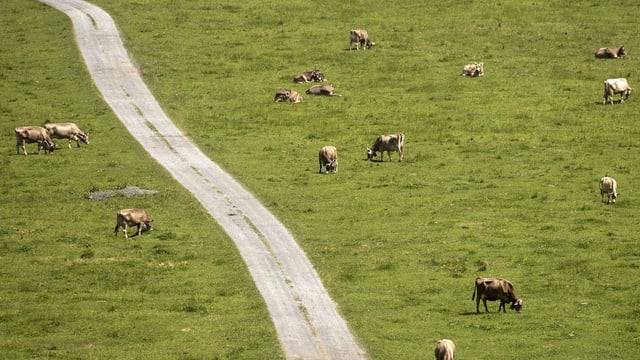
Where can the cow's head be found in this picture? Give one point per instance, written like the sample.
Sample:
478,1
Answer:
371,154
366,43
517,305
84,138
49,146
614,196
332,166
479,69
317,76
148,225
622,51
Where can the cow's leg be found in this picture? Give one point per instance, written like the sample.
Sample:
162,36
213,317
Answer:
125,230
484,301
478,304
139,229
502,307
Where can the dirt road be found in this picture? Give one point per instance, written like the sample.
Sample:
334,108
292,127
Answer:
305,317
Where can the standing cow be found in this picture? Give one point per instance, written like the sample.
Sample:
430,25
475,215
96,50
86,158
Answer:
473,70
609,186
69,131
493,289
309,76
33,134
610,53
445,350
131,217
328,158
387,143
616,86
360,37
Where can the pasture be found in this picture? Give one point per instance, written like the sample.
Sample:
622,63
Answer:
500,178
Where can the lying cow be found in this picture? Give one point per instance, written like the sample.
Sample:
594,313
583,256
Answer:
387,143
309,76
360,37
287,96
69,131
493,289
610,53
616,86
326,90
445,350
473,70
33,134
131,217
328,158
609,186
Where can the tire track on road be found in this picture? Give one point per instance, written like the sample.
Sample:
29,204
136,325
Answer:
306,319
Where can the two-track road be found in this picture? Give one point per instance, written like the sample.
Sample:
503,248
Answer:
305,317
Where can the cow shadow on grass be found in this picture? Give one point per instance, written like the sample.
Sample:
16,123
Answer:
468,313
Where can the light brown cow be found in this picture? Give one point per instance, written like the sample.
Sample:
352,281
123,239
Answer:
473,70
131,217
328,158
326,90
287,96
493,289
33,134
69,131
610,53
445,350
309,76
616,86
387,143
609,187
360,37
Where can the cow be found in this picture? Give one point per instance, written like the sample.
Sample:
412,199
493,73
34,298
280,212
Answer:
387,143
616,86
610,53
309,76
493,289
287,96
609,186
33,134
328,158
473,70
131,217
326,90
445,350
69,131
360,37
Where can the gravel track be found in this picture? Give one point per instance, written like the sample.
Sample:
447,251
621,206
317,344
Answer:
306,319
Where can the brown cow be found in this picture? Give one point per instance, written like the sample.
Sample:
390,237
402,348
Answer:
131,217
309,76
360,37
609,186
387,143
326,90
33,134
610,53
287,96
328,157
445,350
493,289
69,131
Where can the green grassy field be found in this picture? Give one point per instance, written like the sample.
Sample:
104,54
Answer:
500,178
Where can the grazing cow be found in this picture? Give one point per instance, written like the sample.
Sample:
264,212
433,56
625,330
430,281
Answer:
33,134
287,96
493,289
328,157
610,53
387,143
69,131
616,86
361,38
473,70
322,90
445,350
131,217
609,186
309,76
